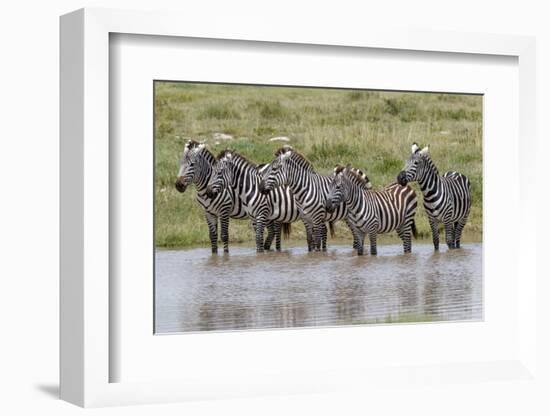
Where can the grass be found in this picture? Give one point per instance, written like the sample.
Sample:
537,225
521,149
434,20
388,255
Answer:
372,130
404,318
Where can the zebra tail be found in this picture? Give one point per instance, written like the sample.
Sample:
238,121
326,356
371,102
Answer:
414,230
287,228
331,228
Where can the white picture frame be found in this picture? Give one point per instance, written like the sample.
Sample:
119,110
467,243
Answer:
85,220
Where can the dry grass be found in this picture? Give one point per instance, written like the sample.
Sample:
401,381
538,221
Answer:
371,130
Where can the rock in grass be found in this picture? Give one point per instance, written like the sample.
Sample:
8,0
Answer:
279,139
222,136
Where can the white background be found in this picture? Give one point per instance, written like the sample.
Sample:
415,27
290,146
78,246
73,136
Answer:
29,208
137,61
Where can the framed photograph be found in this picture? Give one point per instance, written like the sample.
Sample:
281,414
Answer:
267,214
328,148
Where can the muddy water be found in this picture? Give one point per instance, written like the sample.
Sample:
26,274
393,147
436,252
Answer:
195,291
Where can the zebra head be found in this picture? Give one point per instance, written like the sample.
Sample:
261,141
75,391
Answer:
414,168
222,174
338,189
188,163
275,173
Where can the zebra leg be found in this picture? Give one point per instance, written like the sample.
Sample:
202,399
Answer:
459,226
212,222
324,237
224,222
317,236
372,239
405,234
359,236
435,233
309,234
449,235
277,229
356,242
260,224
271,233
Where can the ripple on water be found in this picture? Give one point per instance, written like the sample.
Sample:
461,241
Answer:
195,291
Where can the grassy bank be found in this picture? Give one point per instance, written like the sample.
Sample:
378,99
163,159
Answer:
405,318
369,129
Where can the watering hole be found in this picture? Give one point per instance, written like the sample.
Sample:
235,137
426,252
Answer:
195,291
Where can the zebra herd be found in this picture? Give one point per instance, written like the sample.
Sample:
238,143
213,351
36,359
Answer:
288,189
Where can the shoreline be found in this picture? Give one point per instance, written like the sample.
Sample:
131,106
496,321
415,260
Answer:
338,241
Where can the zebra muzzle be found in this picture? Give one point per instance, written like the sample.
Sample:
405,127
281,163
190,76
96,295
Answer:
181,185
210,193
402,178
261,188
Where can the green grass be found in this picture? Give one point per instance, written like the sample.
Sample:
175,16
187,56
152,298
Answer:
372,130
404,318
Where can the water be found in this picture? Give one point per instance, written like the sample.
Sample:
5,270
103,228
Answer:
195,291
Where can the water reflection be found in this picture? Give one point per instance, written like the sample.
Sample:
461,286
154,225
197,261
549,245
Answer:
199,292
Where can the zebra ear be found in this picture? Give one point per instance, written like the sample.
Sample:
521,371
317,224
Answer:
187,147
414,148
424,151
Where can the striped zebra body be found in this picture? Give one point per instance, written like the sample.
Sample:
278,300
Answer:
374,212
447,198
196,167
273,210
310,190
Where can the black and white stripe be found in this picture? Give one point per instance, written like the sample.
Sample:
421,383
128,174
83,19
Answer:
274,210
196,167
373,212
447,198
310,190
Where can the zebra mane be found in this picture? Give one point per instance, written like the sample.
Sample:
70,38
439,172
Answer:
235,156
359,179
430,163
363,176
297,157
283,150
222,154
200,147
193,144
356,175
424,155
208,154
415,149
339,169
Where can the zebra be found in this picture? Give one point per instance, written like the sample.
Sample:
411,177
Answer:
310,189
196,167
277,209
447,198
373,212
